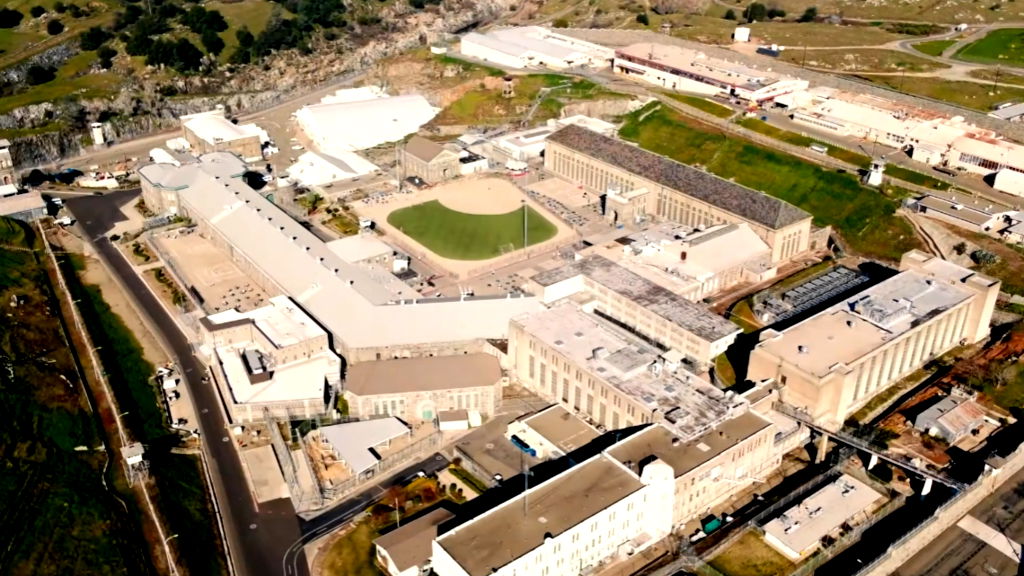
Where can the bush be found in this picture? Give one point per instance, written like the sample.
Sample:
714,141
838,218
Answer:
93,38
37,11
76,11
106,55
776,13
960,248
809,15
10,18
560,23
756,12
37,74
643,19
212,42
60,7
54,27
984,257
730,14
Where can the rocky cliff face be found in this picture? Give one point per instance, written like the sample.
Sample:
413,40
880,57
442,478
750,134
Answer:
139,108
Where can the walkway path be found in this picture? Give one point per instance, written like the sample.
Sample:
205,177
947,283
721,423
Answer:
991,536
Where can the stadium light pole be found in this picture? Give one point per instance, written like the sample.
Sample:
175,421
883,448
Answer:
524,225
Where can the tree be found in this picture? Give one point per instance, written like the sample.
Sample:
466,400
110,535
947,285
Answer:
187,58
809,15
960,248
93,38
729,14
54,27
776,13
756,12
76,11
37,74
60,7
244,37
10,18
212,42
984,257
643,19
106,55
37,11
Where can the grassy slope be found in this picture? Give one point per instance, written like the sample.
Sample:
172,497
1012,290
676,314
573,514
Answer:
183,500
1005,46
703,104
969,94
934,47
864,218
57,518
460,236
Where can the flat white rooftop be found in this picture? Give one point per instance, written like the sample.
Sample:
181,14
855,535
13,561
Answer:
698,63
312,169
213,128
535,40
363,246
800,529
281,321
305,380
347,125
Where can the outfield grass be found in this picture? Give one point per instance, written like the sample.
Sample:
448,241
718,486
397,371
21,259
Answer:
934,47
703,104
462,236
865,219
1004,46
795,139
58,518
968,94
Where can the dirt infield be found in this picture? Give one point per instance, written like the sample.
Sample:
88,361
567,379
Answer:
479,196
474,195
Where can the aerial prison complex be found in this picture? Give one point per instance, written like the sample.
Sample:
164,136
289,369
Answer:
614,336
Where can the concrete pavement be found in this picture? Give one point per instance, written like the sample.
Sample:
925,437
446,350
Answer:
257,536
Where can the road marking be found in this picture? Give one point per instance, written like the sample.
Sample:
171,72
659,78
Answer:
991,536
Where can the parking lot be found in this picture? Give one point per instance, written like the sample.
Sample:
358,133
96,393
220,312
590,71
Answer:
209,271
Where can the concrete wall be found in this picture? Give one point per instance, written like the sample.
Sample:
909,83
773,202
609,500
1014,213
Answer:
414,405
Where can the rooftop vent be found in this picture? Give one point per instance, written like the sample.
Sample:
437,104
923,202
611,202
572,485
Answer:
542,520
849,323
676,441
801,349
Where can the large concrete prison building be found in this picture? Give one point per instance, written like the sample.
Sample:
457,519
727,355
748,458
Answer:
641,184
834,362
366,317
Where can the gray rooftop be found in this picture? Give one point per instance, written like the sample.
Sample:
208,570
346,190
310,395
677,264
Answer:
693,317
515,527
744,202
556,425
354,441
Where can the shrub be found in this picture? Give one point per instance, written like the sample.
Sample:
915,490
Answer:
10,18
37,11
106,55
54,27
809,15
37,74
643,19
60,7
560,23
730,14
93,38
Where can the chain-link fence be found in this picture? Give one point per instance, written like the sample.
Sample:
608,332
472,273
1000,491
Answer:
302,498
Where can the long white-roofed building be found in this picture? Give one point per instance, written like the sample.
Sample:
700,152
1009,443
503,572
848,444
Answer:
366,316
362,119
534,47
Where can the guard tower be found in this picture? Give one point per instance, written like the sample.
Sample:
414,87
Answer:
509,90
874,174
6,164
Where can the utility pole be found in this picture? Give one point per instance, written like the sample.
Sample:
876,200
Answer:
803,60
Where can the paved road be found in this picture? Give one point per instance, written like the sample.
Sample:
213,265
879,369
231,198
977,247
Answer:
958,552
294,563
258,537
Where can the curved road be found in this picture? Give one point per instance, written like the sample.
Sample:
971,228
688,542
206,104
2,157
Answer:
257,536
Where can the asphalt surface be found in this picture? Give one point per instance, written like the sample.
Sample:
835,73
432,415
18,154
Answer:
258,536
958,552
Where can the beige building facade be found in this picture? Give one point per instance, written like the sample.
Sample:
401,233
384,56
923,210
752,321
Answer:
643,185
834,362
417,389
429,160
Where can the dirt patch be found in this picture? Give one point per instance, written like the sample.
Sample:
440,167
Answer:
114,295
480,196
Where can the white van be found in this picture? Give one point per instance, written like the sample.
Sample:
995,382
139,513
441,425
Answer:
819,148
